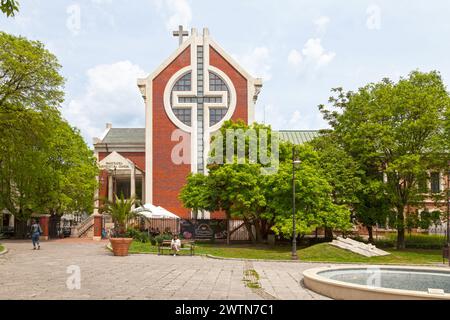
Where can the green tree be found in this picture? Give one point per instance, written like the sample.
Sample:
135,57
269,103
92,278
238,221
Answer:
314,197
341,171
72,169
9,7
243,190
397,128
29,75
45,166
196,194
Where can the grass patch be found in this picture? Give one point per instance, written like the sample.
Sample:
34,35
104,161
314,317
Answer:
327,253
2,248
252,285
413,241
251,279
251,273
318,253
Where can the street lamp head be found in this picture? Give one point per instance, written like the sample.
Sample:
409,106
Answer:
297,161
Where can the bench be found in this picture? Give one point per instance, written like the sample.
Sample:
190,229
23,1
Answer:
186,245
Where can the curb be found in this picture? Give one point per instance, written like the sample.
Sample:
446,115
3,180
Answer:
5,251
318,262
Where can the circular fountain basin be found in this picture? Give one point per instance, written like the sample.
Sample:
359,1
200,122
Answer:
379,282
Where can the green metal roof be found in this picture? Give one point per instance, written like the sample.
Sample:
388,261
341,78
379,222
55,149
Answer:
137,136
298,136
125,135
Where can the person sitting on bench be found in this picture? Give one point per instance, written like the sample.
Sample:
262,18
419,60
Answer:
175,245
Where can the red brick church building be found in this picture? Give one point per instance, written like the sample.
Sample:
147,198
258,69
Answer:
187,98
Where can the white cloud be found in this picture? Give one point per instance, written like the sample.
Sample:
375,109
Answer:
174,12
314,52
295,58
256,62
111,95
321,24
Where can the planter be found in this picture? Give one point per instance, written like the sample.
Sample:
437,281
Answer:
121,246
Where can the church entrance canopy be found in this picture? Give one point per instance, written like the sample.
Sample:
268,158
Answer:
124,176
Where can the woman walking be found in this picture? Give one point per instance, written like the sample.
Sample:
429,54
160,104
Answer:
35,233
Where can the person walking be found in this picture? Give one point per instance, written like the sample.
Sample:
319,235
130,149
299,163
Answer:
36,231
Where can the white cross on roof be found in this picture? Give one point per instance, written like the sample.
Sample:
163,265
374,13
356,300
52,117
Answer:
180,34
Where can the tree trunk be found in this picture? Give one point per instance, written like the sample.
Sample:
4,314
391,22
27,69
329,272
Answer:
370,230
400,227
328,234
259,237
250,231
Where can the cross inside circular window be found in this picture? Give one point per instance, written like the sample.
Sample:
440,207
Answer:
218,103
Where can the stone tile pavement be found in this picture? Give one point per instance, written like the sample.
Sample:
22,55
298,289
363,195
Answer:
29,274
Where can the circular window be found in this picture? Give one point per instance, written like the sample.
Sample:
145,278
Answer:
217,110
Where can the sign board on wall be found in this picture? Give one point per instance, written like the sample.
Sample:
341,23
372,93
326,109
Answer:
115,161
205,229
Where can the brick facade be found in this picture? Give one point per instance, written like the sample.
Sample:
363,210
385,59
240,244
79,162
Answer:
168,178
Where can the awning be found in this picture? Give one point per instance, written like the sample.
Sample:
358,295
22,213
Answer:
150,211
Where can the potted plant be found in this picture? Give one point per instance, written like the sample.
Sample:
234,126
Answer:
120,211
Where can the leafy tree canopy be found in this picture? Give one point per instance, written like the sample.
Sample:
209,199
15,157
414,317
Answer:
9,7
396,129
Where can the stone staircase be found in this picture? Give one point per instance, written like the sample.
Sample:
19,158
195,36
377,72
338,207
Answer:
367,250
85,229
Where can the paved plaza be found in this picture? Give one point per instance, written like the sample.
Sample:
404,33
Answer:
29,274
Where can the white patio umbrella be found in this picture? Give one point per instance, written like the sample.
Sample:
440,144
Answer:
153,212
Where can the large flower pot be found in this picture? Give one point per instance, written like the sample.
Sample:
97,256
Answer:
120,246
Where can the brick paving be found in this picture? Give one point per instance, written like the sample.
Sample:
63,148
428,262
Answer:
29,274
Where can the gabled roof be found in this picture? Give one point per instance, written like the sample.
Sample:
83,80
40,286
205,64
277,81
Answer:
125,136
193,39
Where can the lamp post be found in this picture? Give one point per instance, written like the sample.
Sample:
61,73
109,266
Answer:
294,231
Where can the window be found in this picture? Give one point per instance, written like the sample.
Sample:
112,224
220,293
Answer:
422,183
215,115
184,115
183,84
216,83
435,182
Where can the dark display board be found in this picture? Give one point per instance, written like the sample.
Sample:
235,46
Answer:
204,229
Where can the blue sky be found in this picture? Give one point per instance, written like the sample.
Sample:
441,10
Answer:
302,49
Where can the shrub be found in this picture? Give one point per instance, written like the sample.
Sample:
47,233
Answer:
132,233
159,239
414,241
144,237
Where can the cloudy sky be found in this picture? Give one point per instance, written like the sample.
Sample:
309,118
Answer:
301,49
